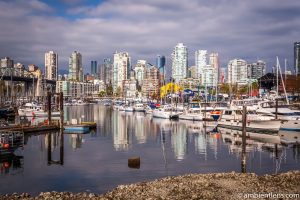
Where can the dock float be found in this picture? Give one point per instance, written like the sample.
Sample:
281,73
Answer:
31,129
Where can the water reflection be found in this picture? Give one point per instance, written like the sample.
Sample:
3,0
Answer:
11,164
165,147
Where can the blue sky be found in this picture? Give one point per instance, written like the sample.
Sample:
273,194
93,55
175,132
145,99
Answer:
245,29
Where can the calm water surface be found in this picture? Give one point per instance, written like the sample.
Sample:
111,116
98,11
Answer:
97,161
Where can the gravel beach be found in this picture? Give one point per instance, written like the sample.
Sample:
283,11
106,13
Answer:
194,186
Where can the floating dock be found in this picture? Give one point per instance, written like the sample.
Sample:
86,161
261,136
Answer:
30,129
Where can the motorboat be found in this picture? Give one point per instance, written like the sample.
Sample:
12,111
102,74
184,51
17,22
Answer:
129,109
139,107
232,118
35,110
166,112
193,114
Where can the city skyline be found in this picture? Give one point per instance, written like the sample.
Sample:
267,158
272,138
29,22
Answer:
254,30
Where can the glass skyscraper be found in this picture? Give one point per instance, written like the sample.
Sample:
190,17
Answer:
160,62
94,68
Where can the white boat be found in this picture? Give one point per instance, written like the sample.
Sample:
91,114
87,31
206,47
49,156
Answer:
290,118
193,114
28,108
129,109
148,110
35,110
121,108
232,118
166,112
139,107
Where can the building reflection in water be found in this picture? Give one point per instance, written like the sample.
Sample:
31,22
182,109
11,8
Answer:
179,140
75,140
139,128
120,127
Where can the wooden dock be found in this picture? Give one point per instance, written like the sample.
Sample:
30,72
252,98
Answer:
30,129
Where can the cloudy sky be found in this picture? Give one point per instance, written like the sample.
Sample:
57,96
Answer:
247,29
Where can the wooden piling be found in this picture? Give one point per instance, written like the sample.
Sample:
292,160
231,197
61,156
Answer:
61,109
276,109
49,107
244,121
134,162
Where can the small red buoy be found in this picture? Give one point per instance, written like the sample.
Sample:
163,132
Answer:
6,165
6,146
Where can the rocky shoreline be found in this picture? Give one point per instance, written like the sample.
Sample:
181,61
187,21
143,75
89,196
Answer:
193,186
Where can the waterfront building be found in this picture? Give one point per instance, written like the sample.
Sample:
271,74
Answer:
94,68
152,82
256,70
130,86
77,89
75,67
297,57
200,62
209,76
121,69
237,71
140,71
190,83
51,65
179,62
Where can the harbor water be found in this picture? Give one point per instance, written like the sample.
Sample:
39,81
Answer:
97,161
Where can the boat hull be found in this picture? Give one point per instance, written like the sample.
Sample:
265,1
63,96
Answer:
255,125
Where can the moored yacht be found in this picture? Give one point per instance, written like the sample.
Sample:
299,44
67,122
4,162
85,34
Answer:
232,118
193,114
166,112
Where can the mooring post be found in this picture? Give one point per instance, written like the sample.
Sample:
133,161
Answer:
276,109
61,152
49,107
61,109
49,153
244,121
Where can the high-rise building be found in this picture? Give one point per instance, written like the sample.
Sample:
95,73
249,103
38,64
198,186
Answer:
215,64
160,61
297,57
94,68
121,69
7,62
222,75
140,71
51,65
237,71
200,62
179,62
256,70
75,67
107,71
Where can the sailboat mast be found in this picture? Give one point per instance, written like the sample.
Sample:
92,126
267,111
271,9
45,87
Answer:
277,63
278,67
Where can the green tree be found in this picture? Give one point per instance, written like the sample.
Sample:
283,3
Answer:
102,94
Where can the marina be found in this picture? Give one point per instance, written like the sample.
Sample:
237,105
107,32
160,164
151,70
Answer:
97,160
